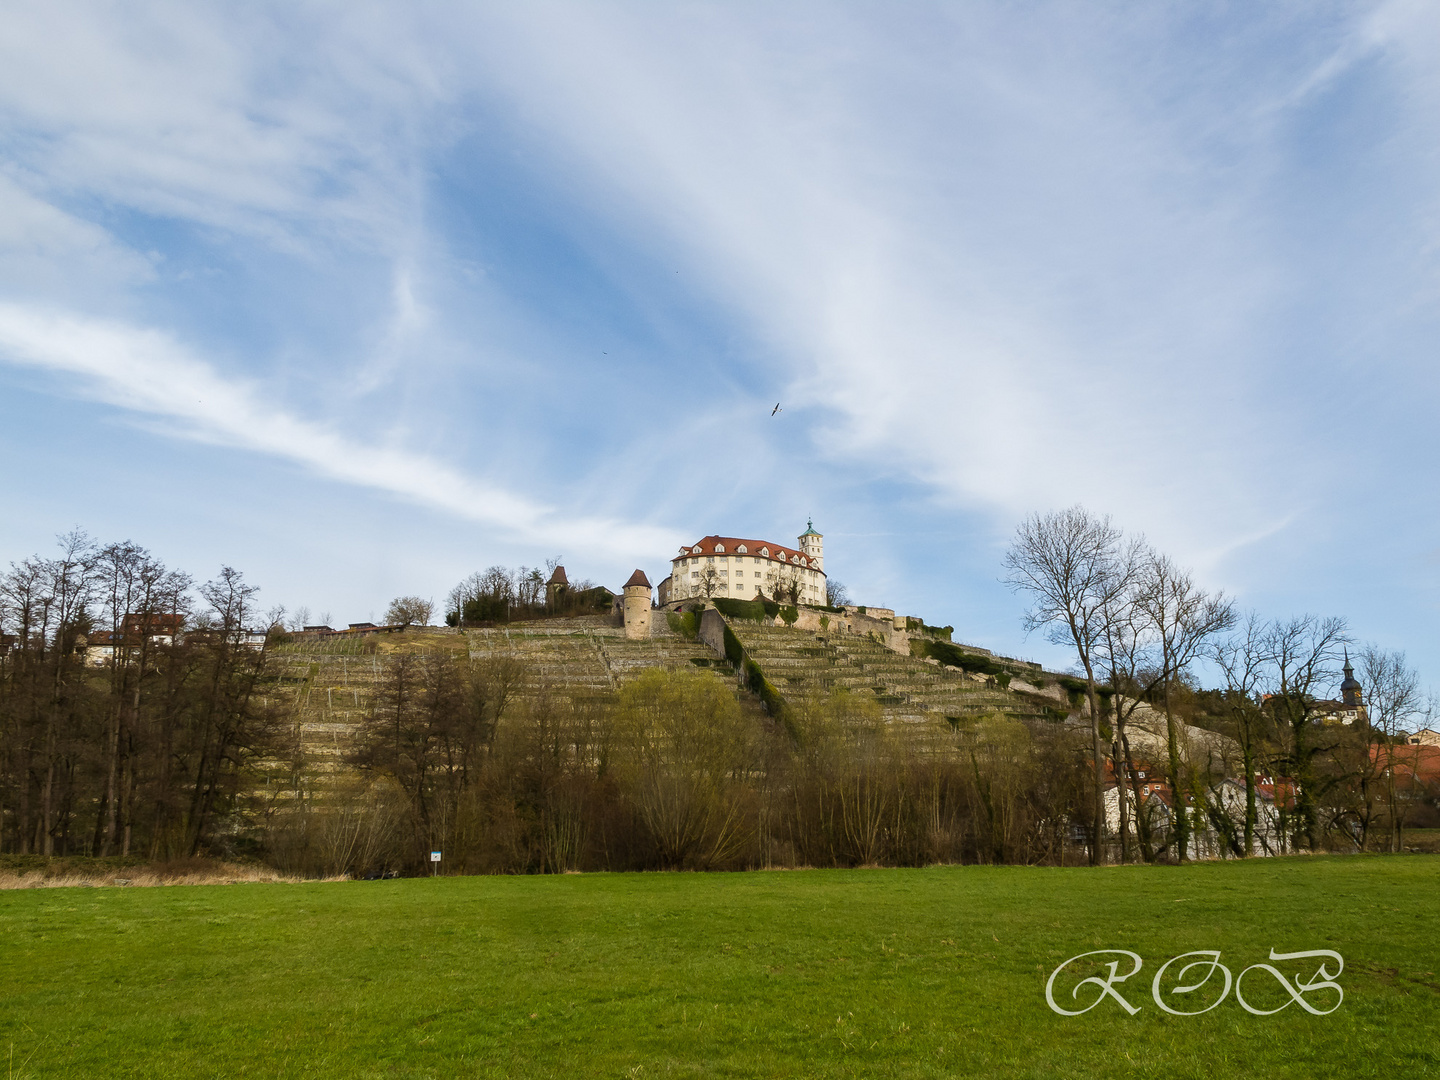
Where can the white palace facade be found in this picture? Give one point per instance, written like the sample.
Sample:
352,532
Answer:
744,569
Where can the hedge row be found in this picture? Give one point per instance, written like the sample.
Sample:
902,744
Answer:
755,679
951,656
758,610
734,651
943,633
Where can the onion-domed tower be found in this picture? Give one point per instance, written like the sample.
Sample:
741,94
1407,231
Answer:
1351,692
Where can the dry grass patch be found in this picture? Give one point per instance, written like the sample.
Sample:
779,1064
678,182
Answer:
65,873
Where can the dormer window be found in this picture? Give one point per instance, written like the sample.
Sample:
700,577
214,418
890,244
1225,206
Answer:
695,550
741,549
781,556
719,548
765,552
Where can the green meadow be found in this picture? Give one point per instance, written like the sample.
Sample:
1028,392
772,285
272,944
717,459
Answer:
867,973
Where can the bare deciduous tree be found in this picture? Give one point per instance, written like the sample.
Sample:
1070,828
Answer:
1302,654
1242,658
409,611
1073,565
788,586
709,582
1184,618
1127,660
1392,701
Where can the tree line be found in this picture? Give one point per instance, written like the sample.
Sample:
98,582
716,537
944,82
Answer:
165,744
1138,624
674,771
148,750
500,594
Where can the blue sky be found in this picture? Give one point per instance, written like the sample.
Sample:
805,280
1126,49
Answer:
362,298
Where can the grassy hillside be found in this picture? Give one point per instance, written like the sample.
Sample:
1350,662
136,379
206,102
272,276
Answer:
889,973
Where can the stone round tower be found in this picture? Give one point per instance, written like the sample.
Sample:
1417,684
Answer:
557,585
812,544
637,606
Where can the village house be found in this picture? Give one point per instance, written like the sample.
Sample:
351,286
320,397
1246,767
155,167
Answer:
1157,803
153,629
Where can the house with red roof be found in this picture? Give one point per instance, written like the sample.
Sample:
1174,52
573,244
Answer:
741,569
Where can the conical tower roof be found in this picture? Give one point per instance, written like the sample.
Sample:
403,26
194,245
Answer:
1350,683
638,578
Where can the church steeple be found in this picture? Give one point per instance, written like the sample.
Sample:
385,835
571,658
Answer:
1351,692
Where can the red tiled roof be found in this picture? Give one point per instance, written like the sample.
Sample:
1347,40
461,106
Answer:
1281,790
558,577
1149,768
155,623
708,545
638,578
1421,762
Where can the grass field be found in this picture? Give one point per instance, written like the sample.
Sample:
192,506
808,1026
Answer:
872,973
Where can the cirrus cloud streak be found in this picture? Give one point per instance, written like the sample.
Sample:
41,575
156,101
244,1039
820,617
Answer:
148,373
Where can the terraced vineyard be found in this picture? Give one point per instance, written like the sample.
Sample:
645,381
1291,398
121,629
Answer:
331,680
802,662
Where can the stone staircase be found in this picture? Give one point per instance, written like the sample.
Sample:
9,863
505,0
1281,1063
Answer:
799,662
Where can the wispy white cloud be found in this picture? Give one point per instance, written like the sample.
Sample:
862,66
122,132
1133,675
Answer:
994,264
294,126
148,373
44,249
1010,259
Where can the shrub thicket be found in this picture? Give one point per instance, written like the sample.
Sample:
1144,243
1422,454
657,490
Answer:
757,610
952,656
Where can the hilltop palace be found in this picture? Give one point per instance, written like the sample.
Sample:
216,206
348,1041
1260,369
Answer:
744,569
